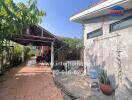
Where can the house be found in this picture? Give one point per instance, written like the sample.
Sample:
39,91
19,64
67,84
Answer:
108,40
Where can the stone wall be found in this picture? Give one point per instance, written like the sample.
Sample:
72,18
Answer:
111,51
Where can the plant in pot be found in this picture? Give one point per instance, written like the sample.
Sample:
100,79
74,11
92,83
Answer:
105,84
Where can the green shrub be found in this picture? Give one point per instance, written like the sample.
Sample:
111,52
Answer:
17,55
28,53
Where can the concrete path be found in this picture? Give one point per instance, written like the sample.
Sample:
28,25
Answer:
29,83
78,86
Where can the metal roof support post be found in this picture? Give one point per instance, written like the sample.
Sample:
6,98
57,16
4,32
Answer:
42,48
22,53
52,54
28,31
36,51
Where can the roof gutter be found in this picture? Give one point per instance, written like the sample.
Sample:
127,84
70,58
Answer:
74,18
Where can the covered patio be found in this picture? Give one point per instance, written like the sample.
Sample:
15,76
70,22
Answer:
34,81
41,39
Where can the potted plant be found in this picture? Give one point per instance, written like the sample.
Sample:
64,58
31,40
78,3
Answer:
105,84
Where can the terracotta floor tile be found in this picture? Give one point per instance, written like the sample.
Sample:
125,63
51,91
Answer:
29,83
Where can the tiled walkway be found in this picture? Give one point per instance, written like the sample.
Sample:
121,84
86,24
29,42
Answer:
29,83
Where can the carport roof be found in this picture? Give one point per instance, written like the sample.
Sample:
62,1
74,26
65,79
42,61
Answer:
38,36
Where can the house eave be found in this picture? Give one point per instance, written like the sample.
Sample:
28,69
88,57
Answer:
100,10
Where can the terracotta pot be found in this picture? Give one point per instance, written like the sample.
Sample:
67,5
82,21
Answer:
106,89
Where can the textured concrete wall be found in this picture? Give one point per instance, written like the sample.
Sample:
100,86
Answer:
111,51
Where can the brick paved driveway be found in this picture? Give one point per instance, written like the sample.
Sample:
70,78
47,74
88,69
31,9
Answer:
29,83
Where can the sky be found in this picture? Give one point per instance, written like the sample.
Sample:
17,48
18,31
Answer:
58,13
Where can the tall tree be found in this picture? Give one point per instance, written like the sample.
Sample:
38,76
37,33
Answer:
15,17
71,49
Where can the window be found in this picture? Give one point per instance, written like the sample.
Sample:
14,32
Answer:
124,23
95,33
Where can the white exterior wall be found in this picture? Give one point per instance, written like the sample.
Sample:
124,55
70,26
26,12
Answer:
102,51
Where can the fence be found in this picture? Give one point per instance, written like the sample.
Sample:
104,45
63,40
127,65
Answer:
69,65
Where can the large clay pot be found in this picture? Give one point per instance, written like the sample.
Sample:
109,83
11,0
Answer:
106,89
